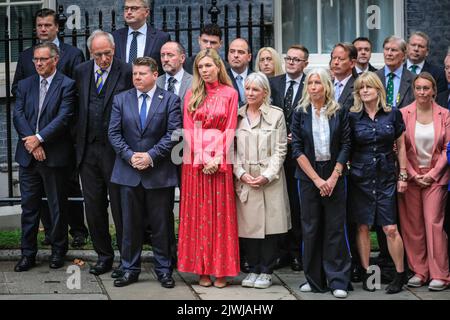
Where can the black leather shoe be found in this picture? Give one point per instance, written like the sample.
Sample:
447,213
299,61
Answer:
356,273
364,277
25,263
166,280
117,273
56,261
78,241
127,279
281,263
296,264
245,267
100,268
396,285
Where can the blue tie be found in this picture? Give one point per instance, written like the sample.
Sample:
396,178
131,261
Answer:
143,112
240,88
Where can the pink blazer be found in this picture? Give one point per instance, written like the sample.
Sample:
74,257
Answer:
441,119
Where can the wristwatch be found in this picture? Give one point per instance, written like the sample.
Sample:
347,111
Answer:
403,176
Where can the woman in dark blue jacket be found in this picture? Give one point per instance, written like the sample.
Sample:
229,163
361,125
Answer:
321,146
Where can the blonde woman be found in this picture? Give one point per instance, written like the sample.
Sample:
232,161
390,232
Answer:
262,200
374,182
268,61
321,145
208,240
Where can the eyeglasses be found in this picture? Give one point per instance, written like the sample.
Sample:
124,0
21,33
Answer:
293,60
132,8
101,54
41,59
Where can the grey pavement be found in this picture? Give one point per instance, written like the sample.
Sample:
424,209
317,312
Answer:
43,283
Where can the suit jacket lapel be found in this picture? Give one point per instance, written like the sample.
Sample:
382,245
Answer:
348,90
87,84
410,123
150,42
35,98
298,96
183,86
437,120
123,50
133,104
156,101
308,126
405,85
51,90
112,79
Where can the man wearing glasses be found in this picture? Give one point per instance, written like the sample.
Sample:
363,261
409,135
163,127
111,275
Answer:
286,93
139,39
98,80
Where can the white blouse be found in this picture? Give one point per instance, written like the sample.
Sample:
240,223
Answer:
424,139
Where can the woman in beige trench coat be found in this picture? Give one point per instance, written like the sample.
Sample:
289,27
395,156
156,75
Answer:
261,192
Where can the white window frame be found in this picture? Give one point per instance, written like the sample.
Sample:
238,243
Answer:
322,60
12,67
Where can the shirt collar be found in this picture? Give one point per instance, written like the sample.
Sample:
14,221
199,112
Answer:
178,76
150,93
142,30
409,64
297,80
343,82
397,72
358,70
49,79
96,67
56,42
243,74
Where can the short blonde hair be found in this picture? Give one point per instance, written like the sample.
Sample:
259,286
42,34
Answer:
260,80
278,66
330,103
372,80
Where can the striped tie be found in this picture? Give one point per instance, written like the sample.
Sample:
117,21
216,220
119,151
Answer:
99,81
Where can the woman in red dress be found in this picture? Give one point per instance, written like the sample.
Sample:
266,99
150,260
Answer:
208,240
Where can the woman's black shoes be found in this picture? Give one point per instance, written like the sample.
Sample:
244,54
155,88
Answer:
396,285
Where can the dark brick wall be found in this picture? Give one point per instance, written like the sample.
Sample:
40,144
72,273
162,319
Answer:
432,17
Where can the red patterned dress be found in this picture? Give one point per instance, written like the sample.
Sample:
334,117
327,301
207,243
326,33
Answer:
208,239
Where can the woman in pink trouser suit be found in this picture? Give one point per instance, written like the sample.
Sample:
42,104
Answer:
422,207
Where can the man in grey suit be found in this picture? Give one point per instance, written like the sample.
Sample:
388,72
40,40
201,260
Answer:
395,77
175,79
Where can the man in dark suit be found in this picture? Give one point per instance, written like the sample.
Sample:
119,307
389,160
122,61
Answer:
42,115
343,60
286,93
47,27
139,39
210,38
143,120
443,98
417,52
98,80
395,77
364,47
239,57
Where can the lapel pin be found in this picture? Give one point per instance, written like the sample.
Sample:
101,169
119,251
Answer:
160,97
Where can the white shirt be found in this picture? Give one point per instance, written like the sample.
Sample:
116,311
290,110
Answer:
148,100
359,71
105,73
49,82
178,76
419,66
321,134
296,85
424,139
140,41
243,75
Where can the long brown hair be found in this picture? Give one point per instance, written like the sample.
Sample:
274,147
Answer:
198,84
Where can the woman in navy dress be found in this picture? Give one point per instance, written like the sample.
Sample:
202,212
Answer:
374,182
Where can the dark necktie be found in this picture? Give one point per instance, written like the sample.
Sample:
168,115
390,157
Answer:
143,112
390,90
414,68
288,98
133,47
171,85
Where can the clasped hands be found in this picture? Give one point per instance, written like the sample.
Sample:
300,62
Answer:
423,180
326,187
254,182
33,146
141,160
212,166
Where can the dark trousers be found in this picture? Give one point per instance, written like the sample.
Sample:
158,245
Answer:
291,242
75,209
142,207
35,181
326,258
95,173
261,253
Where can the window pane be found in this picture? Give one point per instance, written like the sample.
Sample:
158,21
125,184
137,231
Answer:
299,23
338,23
379,30
27,27
2,33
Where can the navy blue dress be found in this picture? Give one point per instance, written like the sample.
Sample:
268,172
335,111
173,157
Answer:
373,175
